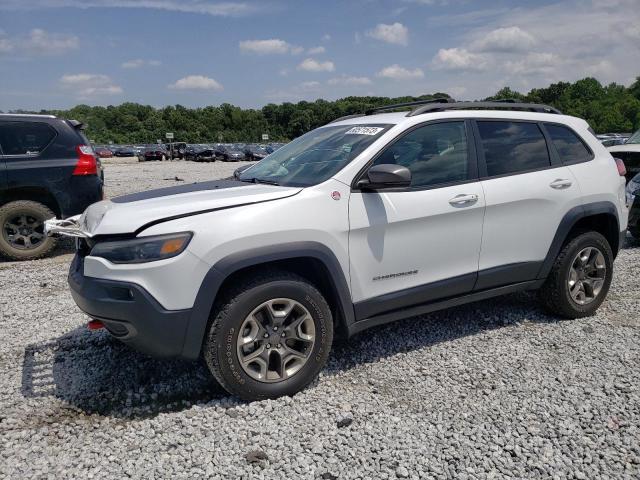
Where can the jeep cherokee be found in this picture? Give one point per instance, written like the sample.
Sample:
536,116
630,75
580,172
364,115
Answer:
363,221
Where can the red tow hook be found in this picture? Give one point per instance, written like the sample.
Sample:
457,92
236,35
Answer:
95,325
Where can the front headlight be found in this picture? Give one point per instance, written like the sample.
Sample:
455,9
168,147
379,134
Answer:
144,249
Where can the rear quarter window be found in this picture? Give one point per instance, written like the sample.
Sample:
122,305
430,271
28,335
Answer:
569,146
25,138
513,147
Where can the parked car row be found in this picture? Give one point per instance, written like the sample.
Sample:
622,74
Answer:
229,152
198,152
611,139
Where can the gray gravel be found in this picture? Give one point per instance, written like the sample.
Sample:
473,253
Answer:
496,389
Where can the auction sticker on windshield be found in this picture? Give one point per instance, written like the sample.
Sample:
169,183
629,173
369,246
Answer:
364,131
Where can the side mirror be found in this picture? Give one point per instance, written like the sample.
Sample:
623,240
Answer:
386,175
238,171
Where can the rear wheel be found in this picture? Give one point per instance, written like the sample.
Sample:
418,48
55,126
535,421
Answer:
580,277
270,336
22,236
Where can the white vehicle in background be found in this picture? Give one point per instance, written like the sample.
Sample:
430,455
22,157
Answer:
367,220
629,153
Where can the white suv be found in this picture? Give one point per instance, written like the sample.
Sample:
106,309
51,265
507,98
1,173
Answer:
364,221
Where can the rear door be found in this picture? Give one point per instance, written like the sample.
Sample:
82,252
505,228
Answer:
527,191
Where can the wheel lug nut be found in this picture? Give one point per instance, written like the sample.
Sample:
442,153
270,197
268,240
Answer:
275,329
266,335
278,346
282,334
268,345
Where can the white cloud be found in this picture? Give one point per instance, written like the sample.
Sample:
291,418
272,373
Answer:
204,7
272,46
509,39
351,81
458,59
313,65
534,63
326,37
311,86
395,33
6,45
41,42
90,84
316,50
196,82
397,72
138,63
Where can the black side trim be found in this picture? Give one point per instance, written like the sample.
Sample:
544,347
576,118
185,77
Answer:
178,189
415,296
439,305
567,223
507,275
233,263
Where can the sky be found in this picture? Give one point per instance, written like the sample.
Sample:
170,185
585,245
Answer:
60,53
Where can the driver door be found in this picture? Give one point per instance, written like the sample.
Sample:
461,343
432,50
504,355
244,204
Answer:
421,243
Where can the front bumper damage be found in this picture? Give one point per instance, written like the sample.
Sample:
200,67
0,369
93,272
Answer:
68,227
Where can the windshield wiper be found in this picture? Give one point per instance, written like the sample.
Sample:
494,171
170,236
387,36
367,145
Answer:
260,180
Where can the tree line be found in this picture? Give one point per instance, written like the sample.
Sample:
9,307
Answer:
610,108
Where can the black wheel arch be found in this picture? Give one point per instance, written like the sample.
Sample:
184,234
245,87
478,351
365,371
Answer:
311,260
34,194
601,217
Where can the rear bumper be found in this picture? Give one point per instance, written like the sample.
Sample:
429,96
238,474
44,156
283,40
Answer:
130,313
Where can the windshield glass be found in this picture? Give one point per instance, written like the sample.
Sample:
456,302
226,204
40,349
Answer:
315,156
635,138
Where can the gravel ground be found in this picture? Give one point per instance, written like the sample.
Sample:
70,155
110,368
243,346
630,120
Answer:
495,389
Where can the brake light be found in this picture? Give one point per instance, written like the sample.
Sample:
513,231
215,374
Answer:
87,164
622,170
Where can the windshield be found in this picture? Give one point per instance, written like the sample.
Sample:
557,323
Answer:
635,138
315,156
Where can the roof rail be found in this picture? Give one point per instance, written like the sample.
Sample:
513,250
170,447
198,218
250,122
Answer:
40,115
417,103
346,117
506,104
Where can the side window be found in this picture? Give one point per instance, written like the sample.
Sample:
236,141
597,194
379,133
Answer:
569,146
435,154
512,147
25,138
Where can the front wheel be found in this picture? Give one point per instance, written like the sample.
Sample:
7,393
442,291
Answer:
270,336
580,277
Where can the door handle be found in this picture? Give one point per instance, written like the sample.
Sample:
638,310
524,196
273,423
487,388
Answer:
560,183
463,199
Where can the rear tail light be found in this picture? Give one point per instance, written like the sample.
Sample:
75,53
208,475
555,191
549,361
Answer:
622,170
87,164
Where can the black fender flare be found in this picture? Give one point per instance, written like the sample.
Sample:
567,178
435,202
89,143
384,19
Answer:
568,222
217,274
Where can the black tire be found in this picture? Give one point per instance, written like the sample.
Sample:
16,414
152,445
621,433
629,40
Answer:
220,348
555,294
30,211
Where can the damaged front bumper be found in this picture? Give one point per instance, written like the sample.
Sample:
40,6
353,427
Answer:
68,227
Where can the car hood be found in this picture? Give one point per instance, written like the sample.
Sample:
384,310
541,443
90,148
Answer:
135,212
625,147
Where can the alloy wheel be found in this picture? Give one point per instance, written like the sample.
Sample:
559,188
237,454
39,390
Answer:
275,340
24,231
587,275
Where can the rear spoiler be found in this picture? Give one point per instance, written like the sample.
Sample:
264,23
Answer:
77,125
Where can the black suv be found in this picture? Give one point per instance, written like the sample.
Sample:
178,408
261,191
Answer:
47,169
